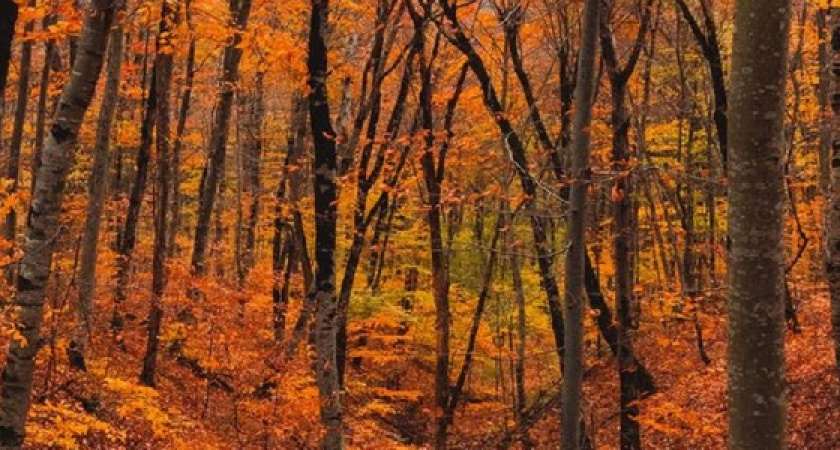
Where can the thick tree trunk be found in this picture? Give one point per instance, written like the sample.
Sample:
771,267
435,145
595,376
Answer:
832,239
163,78
218,139
326,215
756,365
42,224
96,200
576,248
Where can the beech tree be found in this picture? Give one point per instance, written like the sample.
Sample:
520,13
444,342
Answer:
757,407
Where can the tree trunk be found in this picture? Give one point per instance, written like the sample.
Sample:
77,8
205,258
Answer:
50,59
42,224
13,168
756,366
833,211
129,234
96,200
163,78
516,151
576,248
285,248
326,215
218,139
710,47
8,19
251,160
177,146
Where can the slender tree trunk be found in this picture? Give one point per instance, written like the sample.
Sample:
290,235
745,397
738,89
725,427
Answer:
521,404
8,19
96,200
163,78
326,215
13,168
252,157
284,244
756,363
516,151
823,98
218,140
50,57
710,47
178,144
138,190
576,248
42,224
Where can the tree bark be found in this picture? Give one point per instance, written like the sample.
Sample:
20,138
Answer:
581,173
42,225
833,206
517,153
326,215
129,233
178,144
624,220
757,411
13,168
8,19
218,139
96,200
163,78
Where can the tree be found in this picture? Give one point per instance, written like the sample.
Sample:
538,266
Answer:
42,223
757,407
163,78
8,18
581,173
96,200
240,11
324,167
624,214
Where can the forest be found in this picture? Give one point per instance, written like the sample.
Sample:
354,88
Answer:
411,224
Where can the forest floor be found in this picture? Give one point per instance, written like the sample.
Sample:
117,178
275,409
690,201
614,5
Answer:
688,410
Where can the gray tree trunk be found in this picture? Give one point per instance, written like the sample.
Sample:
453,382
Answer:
42,225
576,248
833,210
756,203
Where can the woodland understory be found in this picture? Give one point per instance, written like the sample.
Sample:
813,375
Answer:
399,224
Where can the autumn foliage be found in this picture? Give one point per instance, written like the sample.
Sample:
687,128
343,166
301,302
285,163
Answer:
452,127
